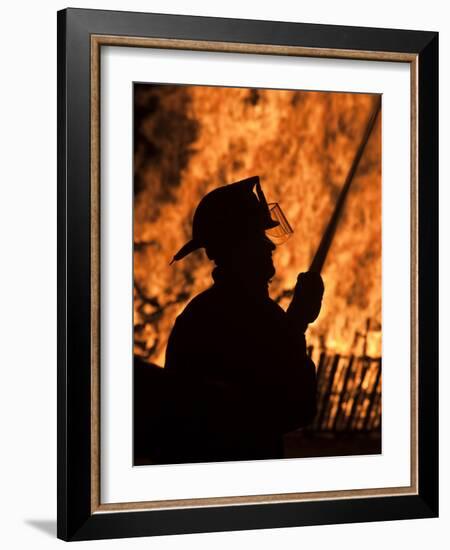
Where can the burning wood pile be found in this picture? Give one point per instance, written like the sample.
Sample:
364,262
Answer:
349,394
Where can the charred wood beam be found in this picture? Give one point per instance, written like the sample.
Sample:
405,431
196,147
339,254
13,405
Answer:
373,396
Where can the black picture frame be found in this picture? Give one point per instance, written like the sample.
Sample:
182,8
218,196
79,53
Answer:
77,520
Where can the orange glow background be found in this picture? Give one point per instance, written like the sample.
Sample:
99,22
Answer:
191,139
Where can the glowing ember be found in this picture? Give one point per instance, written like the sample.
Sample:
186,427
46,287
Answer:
189,140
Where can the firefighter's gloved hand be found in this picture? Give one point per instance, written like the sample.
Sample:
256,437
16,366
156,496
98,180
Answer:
307,300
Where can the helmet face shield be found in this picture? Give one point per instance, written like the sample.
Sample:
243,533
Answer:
281,233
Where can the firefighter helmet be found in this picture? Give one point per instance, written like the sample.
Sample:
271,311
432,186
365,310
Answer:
228,212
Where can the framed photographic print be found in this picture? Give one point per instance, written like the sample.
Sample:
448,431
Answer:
247,271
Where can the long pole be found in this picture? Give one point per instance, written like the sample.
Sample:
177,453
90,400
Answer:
327,237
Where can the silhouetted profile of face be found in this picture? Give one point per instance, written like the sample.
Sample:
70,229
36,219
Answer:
247,259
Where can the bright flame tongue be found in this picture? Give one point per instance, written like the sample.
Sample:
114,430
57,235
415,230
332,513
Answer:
192,139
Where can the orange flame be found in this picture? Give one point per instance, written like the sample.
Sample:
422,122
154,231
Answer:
191,139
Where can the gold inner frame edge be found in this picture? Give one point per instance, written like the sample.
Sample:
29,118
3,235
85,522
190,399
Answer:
128,41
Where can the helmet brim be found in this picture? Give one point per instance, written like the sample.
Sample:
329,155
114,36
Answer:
189,247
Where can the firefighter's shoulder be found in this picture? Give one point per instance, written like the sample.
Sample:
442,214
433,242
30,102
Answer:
202,304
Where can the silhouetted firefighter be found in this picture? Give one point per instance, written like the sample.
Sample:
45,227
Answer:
237,373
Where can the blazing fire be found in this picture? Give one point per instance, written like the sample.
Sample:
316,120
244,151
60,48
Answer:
190,139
